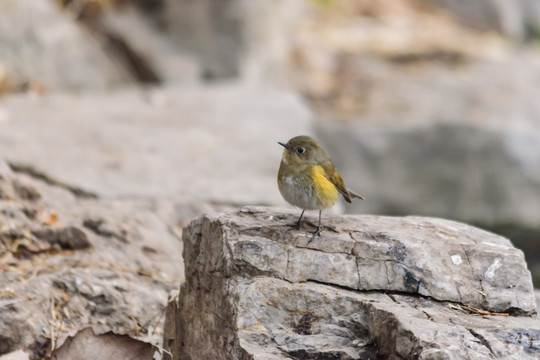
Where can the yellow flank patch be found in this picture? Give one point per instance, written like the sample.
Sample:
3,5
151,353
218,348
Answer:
324,189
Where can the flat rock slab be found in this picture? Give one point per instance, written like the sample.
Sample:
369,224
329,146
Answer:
432,257
369,286
194,144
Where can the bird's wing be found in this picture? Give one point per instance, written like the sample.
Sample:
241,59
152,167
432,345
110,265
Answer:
332,174
338,182
355,195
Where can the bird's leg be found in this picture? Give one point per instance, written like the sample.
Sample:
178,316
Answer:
300,220
296,225
319,227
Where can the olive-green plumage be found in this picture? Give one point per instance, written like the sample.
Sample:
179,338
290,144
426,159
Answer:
307,178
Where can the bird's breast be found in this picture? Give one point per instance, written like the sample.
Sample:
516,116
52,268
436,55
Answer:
307,188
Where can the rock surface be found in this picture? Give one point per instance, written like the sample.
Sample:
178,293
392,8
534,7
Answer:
199,147
68,263
370,287
41,44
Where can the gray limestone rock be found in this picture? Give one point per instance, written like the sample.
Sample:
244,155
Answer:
370,287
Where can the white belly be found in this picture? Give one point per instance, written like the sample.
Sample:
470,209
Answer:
297,194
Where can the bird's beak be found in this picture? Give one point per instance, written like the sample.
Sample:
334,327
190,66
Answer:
282,144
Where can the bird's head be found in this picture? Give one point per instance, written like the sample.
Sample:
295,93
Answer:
303,150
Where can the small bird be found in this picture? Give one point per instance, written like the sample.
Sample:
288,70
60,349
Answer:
308,179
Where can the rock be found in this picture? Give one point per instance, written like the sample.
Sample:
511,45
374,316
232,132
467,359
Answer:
68,238
401,288
25,192
59,276
197,147
43,45
100,227
155,48
235,38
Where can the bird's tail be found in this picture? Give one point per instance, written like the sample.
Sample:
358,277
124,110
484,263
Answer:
355,195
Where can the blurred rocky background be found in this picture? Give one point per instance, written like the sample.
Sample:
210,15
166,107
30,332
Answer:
174,107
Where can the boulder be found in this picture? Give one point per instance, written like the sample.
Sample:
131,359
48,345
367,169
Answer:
69,262
41,44
369,287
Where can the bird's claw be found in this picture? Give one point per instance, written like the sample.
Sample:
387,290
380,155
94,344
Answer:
318,231
295,226
315,233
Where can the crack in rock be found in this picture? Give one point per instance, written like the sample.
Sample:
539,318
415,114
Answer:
482,340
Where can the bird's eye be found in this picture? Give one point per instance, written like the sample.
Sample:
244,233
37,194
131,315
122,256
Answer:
300,150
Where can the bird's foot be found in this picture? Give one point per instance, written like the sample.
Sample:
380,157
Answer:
295,226
329,227
318,231
315,233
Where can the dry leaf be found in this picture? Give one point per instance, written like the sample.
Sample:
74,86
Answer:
51,219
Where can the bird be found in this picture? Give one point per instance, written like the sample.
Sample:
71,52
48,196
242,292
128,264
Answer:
308,179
